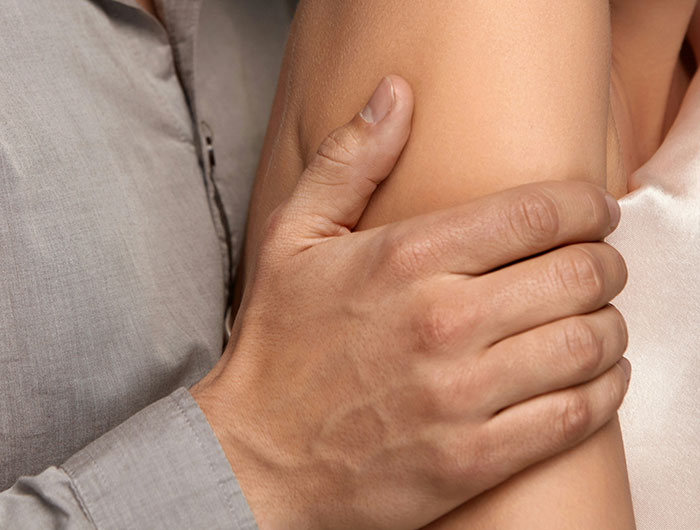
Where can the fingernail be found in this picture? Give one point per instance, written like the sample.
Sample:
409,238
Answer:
380,103
614,208
626,368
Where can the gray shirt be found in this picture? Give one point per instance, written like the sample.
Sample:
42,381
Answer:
118,242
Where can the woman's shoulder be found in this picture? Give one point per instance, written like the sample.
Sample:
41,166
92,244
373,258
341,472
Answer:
649,77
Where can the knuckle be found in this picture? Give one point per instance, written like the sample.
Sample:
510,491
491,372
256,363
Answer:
480,463
575,417
440,324
403,255
583,347
581,273
463,459
452,390
534,219
446,474
435,328
338,149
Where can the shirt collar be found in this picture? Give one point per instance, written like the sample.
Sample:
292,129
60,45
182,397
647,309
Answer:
180,19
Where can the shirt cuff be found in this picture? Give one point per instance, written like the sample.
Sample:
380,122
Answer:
162,468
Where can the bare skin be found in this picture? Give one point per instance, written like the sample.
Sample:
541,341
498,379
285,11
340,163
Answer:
601,90
148,6
362,388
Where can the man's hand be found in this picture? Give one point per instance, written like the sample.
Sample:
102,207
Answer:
379,379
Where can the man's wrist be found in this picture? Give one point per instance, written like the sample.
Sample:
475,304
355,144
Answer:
266,487
207,400
218,408
167,455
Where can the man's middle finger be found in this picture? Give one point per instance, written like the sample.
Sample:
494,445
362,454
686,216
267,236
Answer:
552,357
567,281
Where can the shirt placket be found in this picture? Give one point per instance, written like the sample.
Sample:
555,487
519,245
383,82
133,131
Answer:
180,19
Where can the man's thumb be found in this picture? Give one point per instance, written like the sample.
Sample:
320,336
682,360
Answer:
336,186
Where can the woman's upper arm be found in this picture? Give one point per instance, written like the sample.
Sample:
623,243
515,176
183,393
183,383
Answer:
506,92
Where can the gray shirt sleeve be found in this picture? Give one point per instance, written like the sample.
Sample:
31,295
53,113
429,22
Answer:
162,468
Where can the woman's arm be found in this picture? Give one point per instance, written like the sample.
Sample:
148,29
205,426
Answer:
506,92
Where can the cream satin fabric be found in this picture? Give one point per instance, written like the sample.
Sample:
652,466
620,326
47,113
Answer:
659,236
